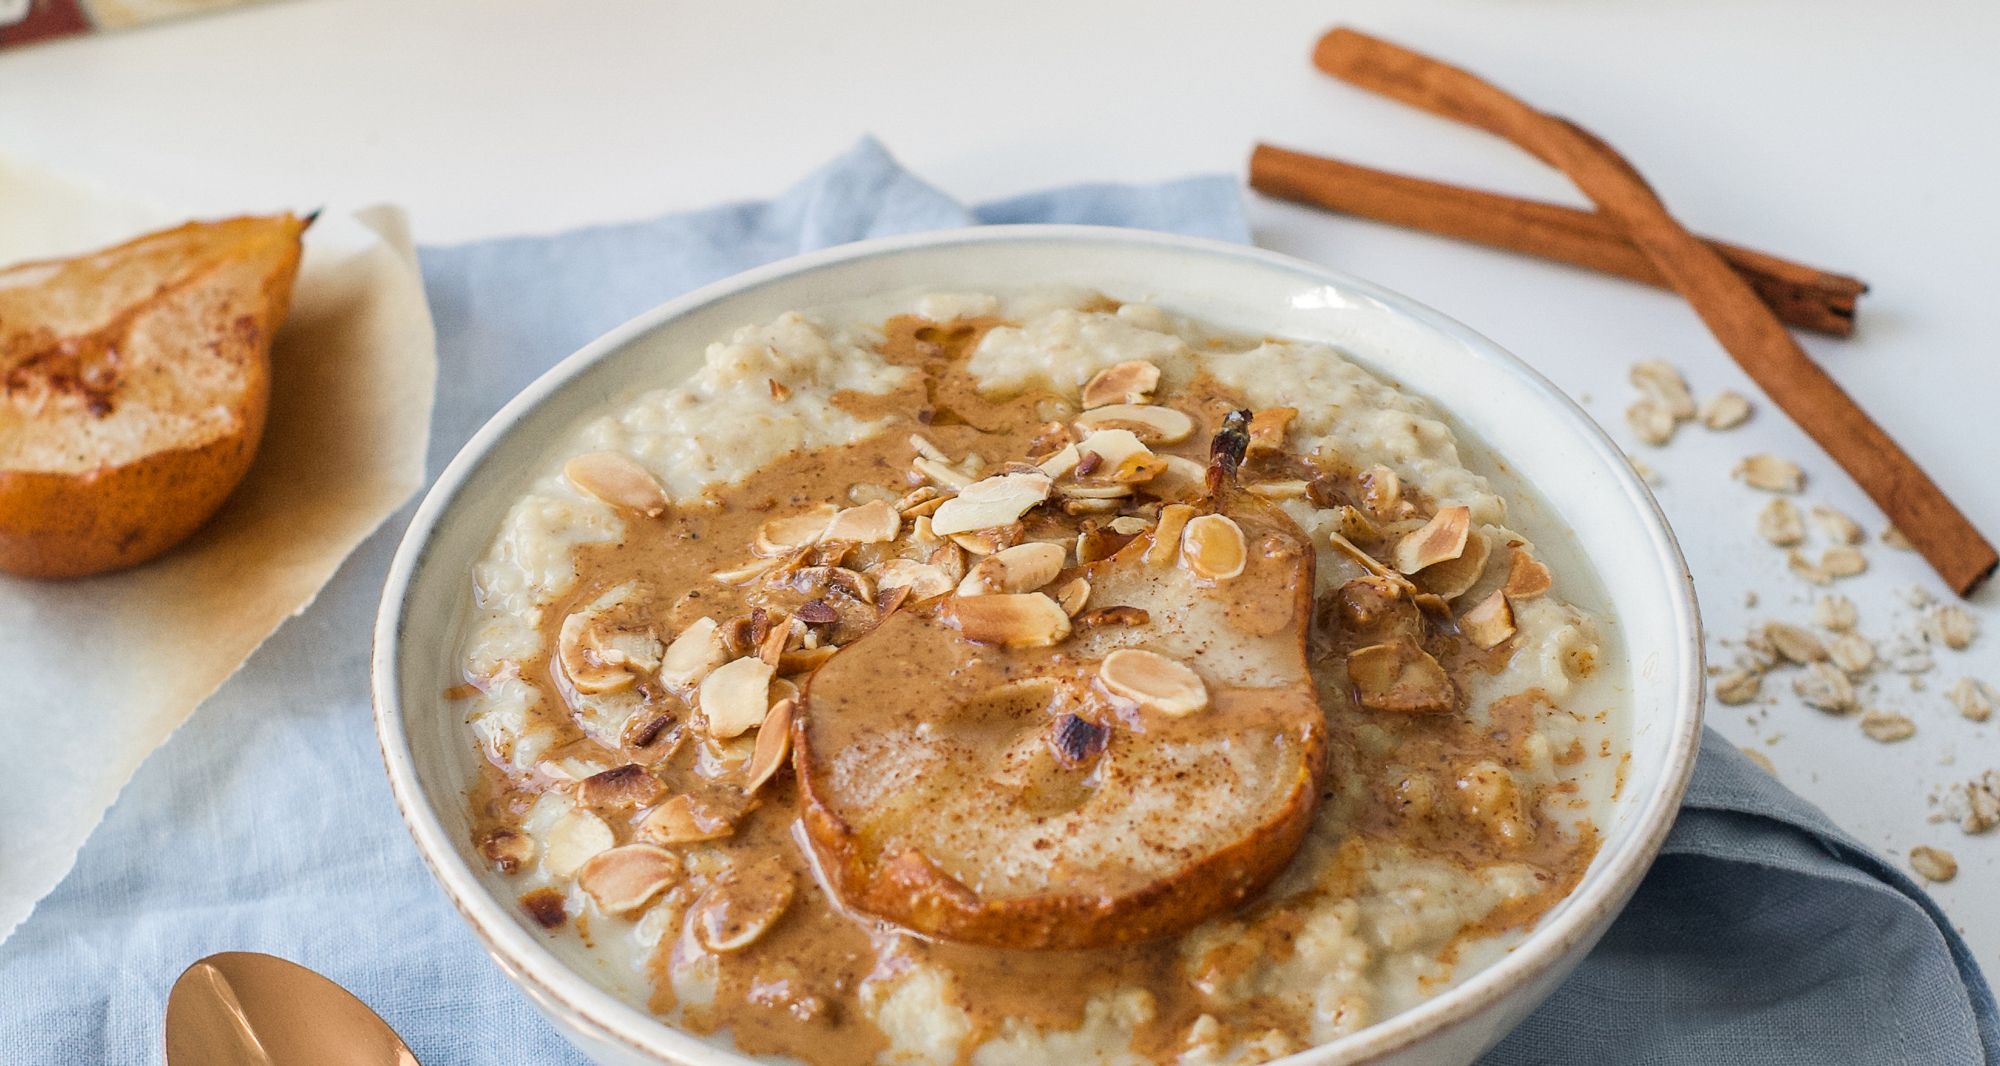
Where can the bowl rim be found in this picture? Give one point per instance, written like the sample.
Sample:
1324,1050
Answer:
562,989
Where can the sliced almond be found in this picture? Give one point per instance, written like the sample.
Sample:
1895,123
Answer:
1267,430
1021,568
740,908
1527,576
1151,423
1073,595
774,743
1062,462
598,661
1153,682
1353,525
1455,577
622,880
1101,452
1442,538
988,541
1213,547
804,660
693,654
1017,620
1279,490
782,536
1491,623
619,480
573,839
1166,545
1382,493
743,575
735,696
1129,525
922,494
922,579
874,522
619,788
1121,383
681,820
1771,474
1401,677
991,502
1181,480
941,474
928,450
1138,469
509,850
816,580
782,634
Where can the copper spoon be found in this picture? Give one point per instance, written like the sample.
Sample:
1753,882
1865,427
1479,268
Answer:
243,1008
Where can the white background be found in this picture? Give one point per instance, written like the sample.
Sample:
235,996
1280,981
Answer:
1859,136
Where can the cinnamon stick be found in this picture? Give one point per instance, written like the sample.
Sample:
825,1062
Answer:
1803,296
1746,328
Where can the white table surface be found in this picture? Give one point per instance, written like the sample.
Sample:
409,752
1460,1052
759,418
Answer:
1855,135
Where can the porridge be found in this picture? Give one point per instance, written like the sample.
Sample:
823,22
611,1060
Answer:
1038,680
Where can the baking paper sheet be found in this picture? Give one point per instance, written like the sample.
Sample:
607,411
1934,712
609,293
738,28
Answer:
96,673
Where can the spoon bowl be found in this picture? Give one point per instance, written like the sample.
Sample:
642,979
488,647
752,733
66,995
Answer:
245,1008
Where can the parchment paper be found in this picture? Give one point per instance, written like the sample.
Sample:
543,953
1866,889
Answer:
94,674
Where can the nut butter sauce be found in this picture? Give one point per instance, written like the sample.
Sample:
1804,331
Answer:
755,944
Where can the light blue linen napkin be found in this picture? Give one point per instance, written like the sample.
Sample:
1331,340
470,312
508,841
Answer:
1763,935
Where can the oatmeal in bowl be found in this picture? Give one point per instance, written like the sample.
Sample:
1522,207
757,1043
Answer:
1027,675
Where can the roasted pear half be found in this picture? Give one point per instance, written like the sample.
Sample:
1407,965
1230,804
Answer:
1153,765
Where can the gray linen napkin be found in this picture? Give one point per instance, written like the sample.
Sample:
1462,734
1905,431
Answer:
1763,934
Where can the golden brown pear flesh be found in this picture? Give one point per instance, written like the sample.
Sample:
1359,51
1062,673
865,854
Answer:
1003,797
133,388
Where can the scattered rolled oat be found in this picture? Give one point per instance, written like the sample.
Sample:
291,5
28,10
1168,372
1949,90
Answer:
1725,410
1779,523
1824,687
1975,805
1894,538
1762,760
1646,473
1770,473
1906,656
1887,727
1661,383
1650,422
1933,864
1843,561
1805,569
1738,686
1836,526
1972,697
1835,612
1952,626
1852,652
1795,643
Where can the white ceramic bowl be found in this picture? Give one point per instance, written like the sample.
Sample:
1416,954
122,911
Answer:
1546,440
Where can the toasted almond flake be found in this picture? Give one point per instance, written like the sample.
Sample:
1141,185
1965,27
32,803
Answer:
572,840
875,522
927,450
1073,595
1779,523
1166,545
1401,677
1835,612
1153,682
1770,473
1129,525
1490,623
774,743
1213,548
1138,469
509,850
1353,525
1062,462
988,541
595,661
1805,569
1852,652
1662,383
940,474
991,502
1836,526
1972,697
805,660
1013,620
1101,452
1119,615
735,696
693,654
1887,727
619,788
922,579
619,480
1121,383
918,496
1952,626
622,880
1279,490
1894,538
1267,430
783,634
1738,686
1650,422
1366,561
1382,492
1021,568
1527,576
1151,423
1933,864
1725,410
681,820
1795,643
950,559
1181,481
737,911
1455,577
1823,686
782,536
1440,539
1112,492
